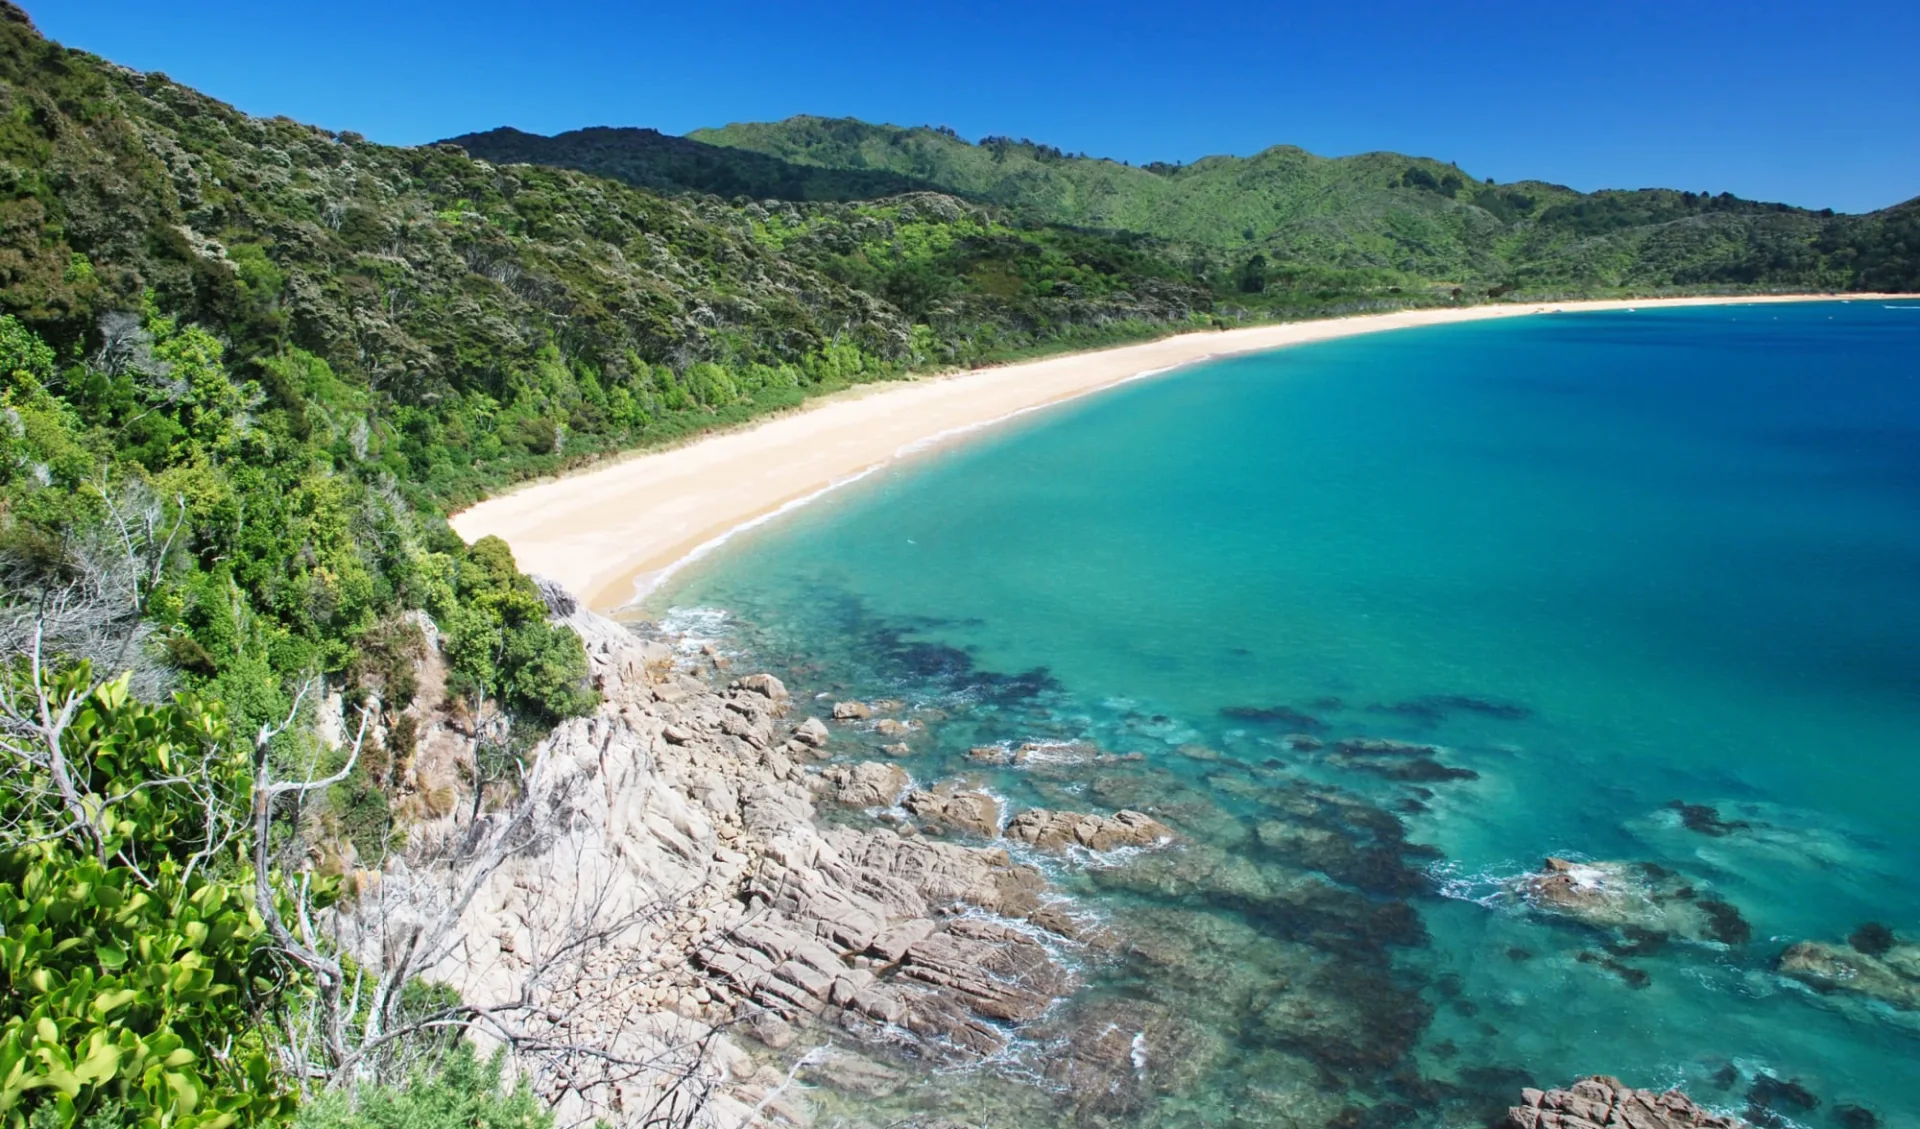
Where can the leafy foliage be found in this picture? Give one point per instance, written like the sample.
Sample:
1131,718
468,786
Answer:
463,1093
131,970
501,645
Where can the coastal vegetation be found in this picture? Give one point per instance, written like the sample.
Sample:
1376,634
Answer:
248,365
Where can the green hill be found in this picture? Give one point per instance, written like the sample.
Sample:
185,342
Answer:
1375,212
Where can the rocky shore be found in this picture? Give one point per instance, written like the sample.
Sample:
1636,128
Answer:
680,820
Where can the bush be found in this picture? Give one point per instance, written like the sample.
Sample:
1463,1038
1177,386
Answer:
133,966
464,1093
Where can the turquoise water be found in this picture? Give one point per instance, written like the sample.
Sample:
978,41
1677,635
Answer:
1683,545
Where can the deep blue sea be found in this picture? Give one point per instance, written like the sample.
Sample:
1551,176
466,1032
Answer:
1605,561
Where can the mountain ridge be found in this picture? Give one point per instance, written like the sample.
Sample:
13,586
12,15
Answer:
1356,216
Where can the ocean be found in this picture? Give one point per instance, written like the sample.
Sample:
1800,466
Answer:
1648,584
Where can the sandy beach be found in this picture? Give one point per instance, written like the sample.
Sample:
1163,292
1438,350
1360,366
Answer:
613,531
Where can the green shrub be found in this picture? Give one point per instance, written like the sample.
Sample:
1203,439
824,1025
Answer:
463,1093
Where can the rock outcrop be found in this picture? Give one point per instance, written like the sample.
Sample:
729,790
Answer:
1058,830
677,861
1891,976
869,784
1600,1102
1639,899
949,808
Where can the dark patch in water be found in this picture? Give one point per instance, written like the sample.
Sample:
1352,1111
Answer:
1434,708
1705,819
1855,1117
1724,923
1423,770
1629,975
1281,714
1769,1093
1371,1035
1872,938
1383,747
1417,712
1636,940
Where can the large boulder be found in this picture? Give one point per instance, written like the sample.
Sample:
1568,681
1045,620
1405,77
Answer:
952,809
869,784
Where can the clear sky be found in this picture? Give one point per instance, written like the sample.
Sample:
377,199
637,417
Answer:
1816,104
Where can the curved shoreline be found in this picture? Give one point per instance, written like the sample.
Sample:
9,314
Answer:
613,532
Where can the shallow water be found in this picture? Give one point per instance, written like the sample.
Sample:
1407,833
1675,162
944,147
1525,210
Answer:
1681,545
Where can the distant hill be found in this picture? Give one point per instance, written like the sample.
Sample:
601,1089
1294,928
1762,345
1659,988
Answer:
1376,211
647,158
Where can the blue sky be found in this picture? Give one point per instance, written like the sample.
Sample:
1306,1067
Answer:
1813,104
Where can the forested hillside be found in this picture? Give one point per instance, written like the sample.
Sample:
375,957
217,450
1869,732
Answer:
647,158
1369,215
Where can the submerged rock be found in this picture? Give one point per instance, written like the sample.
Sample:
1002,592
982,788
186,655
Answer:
1284,715
1600,1102
1872,938
1112,1057
1769,1094
1642,899
1410,770
1384,747
1434,708
894,727
1629,975
1705,819
1892,977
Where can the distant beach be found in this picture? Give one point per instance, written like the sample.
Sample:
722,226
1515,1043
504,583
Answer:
611,532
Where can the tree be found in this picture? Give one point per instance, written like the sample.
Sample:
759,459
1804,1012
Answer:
1253,275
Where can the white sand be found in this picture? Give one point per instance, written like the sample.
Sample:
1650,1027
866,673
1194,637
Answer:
611,532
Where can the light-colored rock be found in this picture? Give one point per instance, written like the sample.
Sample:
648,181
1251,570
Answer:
948,808
851,711
869,784
1057,830
677,821
812,732
765,685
